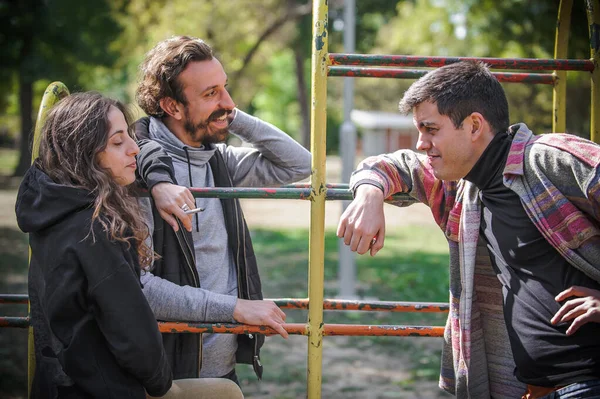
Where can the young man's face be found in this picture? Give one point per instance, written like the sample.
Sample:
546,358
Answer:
208,102
450,151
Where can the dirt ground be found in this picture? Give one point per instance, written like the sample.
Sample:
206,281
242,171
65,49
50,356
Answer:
350,370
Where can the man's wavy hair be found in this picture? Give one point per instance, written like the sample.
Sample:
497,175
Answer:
159,72
75,132
459,90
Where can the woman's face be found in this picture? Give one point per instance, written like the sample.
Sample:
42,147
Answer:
119,155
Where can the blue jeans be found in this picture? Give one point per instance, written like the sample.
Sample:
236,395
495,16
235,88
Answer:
579,390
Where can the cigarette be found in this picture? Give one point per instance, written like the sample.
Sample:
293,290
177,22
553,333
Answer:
195,210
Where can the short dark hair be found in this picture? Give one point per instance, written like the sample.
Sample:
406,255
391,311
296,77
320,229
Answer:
458,90
161,68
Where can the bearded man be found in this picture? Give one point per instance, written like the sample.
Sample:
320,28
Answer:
207,271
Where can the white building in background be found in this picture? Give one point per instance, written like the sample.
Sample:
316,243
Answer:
384,132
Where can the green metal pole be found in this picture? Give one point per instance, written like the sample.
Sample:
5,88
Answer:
317,212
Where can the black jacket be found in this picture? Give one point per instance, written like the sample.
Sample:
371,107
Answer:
178,265
94,332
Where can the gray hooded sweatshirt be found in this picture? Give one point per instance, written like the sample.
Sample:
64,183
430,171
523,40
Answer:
274,159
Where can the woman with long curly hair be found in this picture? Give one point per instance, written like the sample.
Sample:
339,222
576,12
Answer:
95,335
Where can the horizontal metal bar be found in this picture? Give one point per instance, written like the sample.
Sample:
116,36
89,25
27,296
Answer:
14,298
227,328
368,306
382,330
327,185
291,328
301,329
301,191
436,61
328,304
247,192
370,72
283,193
16,322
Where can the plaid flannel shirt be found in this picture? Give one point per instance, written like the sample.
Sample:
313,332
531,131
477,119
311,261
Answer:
557,177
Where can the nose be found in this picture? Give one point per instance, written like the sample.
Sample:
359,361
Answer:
133,149
422,143
227,101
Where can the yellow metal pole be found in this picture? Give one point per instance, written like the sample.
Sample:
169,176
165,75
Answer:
317,211
54,92
593,14
561,45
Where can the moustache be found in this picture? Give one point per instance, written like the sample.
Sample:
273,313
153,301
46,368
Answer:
219,113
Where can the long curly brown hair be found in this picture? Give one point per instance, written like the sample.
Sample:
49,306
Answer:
75,132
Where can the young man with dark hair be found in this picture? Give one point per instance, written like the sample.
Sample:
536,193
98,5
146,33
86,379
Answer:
522,217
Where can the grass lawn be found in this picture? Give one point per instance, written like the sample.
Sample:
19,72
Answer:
413,266
8,161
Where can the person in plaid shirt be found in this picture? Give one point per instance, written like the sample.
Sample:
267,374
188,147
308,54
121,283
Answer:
522,217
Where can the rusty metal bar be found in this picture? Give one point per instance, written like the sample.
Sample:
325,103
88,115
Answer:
299,192
344,194
328,304
383,330
16,322
14,298
228,328
393,73
291,328
533,64
301,329
327,185
367,306
247,192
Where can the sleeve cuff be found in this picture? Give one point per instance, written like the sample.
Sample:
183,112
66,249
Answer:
158,176
243,125
365,181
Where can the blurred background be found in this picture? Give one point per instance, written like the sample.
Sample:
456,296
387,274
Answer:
265,47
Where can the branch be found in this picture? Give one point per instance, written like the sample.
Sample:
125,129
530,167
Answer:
291,14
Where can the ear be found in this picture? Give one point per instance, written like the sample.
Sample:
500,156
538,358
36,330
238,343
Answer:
172,108
479,126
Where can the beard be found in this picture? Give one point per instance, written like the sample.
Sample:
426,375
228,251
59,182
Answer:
199,132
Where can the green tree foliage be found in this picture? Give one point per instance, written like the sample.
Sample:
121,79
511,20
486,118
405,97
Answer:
52,39
244,34
486,28
265,48
247,36
100,45
276,100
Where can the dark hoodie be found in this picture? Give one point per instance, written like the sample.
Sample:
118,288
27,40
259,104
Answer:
95,335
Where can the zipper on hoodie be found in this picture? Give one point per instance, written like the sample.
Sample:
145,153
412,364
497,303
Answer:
189,262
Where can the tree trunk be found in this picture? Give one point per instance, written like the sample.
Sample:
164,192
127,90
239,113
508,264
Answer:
25,106
302,98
